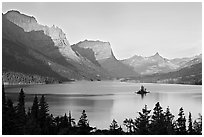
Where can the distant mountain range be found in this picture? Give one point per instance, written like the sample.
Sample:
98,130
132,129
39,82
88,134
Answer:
35,53
158,64
186,75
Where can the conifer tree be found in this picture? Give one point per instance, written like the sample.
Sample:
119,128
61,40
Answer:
64,122
168,119
21,115
197,125
129,124
12,127
32,127
43,113
114,125
71,121
83,121
142,123
4,111
3,98
43,108
190,125
181,123
158,125
32,124
57,123
83,124
35,108
115,129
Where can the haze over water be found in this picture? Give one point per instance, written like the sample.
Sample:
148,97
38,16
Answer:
107,100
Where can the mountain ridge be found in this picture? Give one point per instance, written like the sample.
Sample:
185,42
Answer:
39,50
41,46
158,64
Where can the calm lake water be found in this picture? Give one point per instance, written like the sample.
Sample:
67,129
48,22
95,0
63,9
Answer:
107,100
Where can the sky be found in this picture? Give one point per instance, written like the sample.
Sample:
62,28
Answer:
172,29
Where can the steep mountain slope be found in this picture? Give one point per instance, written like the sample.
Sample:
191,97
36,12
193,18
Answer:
20,52
32,48
100,53
29,24
158,64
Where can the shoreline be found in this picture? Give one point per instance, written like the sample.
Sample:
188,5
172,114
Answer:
7,85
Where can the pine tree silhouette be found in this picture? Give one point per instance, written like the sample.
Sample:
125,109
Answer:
197,125
3,98
83,121
142,123
71,121
115,129
12,126
35,108
4,111
181,123
158,125
129,123
21,115
83,124
190,125
43,113
168,119
114,125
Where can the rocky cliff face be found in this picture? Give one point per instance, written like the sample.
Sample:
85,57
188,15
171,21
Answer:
100,53
57,35
102,50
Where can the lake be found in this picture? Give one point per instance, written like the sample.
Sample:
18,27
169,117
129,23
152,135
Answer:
108,100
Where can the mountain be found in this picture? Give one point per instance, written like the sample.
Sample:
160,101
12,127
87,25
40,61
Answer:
35,53
34,49
188,75
101,54
193,60
29,24
157,64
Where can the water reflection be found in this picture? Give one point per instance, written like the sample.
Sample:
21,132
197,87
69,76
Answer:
142,95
